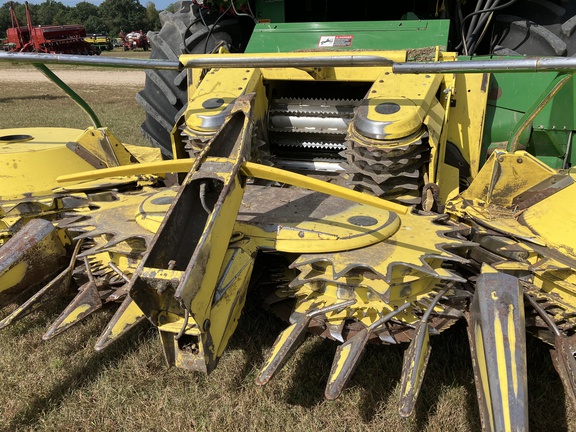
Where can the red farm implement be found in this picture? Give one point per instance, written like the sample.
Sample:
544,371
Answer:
62,39
135,40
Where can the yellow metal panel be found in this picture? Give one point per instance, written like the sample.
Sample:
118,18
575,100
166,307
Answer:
351,74
32,166
507,175
414,95
466,123
104,146
554,219
215,95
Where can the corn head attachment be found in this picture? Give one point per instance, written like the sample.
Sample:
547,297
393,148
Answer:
366,202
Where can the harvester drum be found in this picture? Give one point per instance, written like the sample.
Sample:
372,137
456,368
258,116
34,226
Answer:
372,181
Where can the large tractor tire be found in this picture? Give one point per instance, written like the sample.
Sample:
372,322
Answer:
536,27
165,92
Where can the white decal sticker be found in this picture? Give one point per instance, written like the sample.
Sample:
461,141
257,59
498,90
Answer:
335,41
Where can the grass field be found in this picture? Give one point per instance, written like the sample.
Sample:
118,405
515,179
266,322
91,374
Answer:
64,385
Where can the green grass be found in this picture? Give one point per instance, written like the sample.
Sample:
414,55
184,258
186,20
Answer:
63,384
44,104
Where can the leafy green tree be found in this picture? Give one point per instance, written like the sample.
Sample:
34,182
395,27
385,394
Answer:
95,24
126,15
62,17
152,17
4,19
88,15
84,11
49,11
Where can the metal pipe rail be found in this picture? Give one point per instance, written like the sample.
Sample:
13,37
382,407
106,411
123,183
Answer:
534,64
295,60
90,61
302,60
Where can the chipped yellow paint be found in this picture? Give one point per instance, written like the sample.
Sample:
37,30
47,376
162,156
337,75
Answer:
130,316
32,166
512,343
502,371
344,353
175,322
408,384
481,358
465,125
214,97
417,95
73,316
549,219
282,338
494,296
13,276
249,169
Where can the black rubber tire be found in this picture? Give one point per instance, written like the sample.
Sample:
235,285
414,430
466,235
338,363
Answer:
536,27
165,92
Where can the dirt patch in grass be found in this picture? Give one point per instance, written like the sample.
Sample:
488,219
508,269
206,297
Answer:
106,77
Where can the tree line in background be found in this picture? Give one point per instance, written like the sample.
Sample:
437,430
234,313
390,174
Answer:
112,16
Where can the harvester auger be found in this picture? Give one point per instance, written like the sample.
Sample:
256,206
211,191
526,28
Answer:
435,190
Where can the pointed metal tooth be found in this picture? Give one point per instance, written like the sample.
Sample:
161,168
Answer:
127,317
119,239
284,346
387,338
290,339
358,267
346,360
415,361
335,330
304,260
298,281
413,369
91,251
50,291
118,293
68,221
499,362
86,302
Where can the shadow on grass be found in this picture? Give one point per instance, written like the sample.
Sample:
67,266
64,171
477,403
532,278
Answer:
379,373
256,332
43,97
450,366
546,398
77,377
311,372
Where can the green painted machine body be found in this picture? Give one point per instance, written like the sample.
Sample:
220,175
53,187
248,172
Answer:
375,35
550,135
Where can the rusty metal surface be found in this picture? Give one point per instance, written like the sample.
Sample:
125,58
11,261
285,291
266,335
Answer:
29,258
498,337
